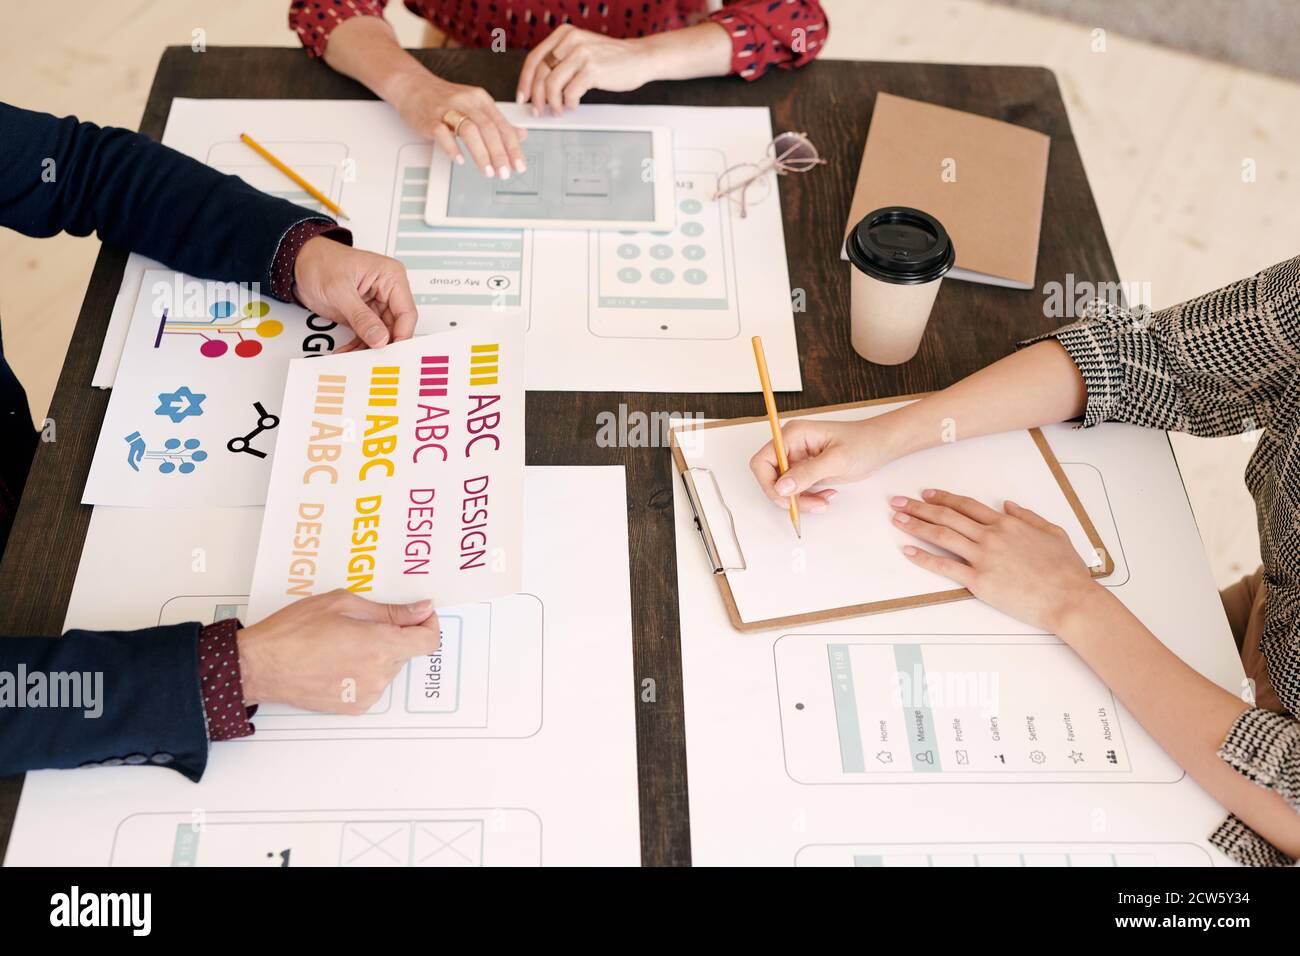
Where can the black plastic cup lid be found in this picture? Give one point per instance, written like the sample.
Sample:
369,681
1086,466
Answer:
900,244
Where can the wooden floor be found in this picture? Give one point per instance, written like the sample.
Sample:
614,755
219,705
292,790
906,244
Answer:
1165,138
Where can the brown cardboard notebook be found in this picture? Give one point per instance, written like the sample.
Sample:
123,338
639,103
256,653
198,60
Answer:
982,178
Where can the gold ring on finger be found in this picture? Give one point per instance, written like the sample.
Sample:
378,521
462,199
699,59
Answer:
454,119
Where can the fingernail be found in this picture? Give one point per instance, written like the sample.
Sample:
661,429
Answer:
375,337
899,502
460,160
521,166
902,518
815,507
505,172
420,607
830,494
519,96
487,171
785,486
536,113
909,550
928,493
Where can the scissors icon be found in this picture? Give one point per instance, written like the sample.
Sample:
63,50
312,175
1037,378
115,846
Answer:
244,443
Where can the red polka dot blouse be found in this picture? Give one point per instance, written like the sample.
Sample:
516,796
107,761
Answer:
764,33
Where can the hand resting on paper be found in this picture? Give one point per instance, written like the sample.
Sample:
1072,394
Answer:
365,291
1016,561
334,653
492,141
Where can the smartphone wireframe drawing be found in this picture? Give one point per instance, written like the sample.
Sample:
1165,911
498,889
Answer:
342,838
955,709
485,680
678,284
456,274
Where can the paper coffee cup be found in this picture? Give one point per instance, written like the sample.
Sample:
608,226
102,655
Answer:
899,256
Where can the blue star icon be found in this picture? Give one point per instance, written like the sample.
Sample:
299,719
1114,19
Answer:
180,404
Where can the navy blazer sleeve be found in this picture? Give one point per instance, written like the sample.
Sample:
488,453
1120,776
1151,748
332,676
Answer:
109,698
60,175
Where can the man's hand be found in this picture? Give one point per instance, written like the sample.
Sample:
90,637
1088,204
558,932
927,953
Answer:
335,653
362,290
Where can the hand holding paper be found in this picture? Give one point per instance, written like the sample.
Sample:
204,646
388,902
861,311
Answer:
362,290
334,653
399,473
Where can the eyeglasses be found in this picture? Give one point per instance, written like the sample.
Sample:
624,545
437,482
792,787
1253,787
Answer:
748,183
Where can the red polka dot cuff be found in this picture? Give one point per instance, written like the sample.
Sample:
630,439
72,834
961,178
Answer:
221,683
286,255
315,20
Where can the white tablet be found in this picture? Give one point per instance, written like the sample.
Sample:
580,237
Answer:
606,177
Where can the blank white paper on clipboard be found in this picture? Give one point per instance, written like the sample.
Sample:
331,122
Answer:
851,554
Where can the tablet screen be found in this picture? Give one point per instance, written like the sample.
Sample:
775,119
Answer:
572,174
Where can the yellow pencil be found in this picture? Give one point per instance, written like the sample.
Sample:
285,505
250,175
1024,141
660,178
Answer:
307,187
772,419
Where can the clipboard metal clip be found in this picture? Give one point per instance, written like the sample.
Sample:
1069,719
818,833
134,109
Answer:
702,522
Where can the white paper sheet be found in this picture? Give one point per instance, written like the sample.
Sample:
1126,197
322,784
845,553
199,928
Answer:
197,406
852,554
605,311
400,473
788,765
984,855
540,770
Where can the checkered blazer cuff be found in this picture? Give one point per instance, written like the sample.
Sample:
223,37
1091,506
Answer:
1092,343
1264,747
1247,847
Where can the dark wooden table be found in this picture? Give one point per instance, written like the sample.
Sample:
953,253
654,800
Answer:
832,102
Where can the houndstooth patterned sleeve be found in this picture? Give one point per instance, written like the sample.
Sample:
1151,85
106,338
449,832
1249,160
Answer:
1245,846
1264,748
1214,365
1221,364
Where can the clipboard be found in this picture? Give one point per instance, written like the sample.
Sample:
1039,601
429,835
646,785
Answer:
726,556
